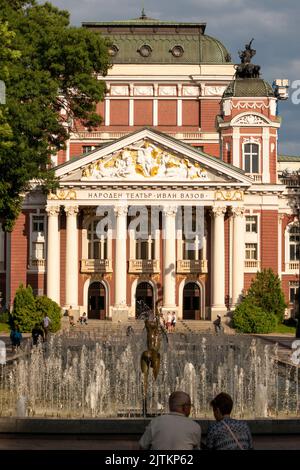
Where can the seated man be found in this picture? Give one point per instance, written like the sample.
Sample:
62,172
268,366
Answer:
173,431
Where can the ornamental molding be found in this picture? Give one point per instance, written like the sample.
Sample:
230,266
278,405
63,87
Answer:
71,210
238,211
250,120
236,195
53,210
119,90
191,91
167,91
62,195
170,211
251,140
250,105
143,91
214,90
219,211
121,210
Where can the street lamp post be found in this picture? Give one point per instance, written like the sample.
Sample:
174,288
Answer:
294,178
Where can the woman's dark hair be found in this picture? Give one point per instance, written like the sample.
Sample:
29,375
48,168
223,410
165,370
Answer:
223,402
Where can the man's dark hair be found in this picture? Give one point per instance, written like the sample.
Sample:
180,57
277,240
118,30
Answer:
223,402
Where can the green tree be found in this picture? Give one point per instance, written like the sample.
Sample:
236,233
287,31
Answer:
266,292
44,305
58,68
24,308
249,318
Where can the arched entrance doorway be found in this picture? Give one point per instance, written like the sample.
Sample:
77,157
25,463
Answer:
191,302
97,301
143,298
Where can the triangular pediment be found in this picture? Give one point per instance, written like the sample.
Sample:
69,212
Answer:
148,156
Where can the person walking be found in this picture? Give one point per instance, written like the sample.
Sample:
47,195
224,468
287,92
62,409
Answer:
15,337
37,334
227,433
173,431
46,325
218,325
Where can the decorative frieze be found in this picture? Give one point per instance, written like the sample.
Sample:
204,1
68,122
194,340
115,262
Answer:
250,120
119,90
143,90
167,91
214,90
190,91
62,194
235,195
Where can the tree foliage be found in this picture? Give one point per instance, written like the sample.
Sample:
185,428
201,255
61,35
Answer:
29,310
249,318
266,292
57,67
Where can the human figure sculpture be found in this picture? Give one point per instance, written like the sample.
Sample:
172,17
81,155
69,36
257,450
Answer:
151,357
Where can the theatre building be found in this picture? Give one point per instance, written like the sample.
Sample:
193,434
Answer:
180,196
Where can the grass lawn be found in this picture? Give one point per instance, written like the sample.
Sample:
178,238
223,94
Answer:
284,329
4,327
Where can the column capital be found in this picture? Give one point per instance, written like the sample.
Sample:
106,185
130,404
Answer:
121,210
280,218
238,211
170,211
218,211
71,210
52,210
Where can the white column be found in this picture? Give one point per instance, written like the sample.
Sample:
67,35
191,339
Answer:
265,156
238,254
179,245
179,113
236,147
53,254
169,275
204,246
149,247
71,256
107,112
280,219
120,260
197,248
102,246
155,112
218,267
157,245
131,112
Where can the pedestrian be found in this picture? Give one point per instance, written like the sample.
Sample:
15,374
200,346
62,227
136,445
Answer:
169,321
46,325
173,321
174,430
218,325
83,319
227,433
15,337
37,334
71,316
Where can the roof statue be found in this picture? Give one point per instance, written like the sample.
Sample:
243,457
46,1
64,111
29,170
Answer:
246,69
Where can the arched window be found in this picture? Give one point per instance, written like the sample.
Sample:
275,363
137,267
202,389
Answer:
294,242
251,161
97,245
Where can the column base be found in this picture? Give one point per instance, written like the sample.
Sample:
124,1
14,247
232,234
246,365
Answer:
217,310
119,313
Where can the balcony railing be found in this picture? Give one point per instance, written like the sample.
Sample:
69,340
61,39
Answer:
37,263
96,266
252,263
143,266
293,266
255,177
192,266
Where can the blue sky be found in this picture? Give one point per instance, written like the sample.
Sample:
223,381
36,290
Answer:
274,24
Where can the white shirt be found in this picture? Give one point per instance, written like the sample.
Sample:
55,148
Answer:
172,431
46,321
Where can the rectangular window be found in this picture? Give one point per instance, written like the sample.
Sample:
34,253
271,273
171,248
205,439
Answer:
251,158
38,251
293,295
88,148
251,223
251,251
38,222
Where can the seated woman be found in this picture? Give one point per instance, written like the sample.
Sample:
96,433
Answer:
83,319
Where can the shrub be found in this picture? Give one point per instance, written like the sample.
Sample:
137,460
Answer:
4,317
24,309
266,292
249,318
51,308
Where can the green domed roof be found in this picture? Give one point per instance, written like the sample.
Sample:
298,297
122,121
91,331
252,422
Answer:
242,87
167,42
213,51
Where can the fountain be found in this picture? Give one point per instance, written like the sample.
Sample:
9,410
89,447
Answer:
97,374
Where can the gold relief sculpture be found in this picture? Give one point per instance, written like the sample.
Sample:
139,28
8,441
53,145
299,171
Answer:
234,195
146,159
62,195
